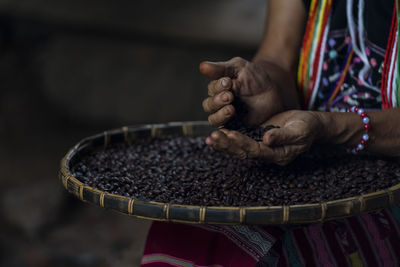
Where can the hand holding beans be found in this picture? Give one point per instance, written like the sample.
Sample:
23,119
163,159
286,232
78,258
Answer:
258,85
296,133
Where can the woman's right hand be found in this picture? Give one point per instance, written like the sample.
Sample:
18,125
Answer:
264,87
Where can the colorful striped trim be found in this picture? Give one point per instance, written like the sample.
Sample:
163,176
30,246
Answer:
316,59
313,47
392,79
385,63
306,41
313,93
390,72
396,92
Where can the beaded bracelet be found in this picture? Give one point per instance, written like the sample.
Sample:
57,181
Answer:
365,137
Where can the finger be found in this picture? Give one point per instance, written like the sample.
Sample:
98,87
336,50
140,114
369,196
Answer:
280,137
219,140
214,103
241,146
210,142
217,86
216,70
279,155
247,146
227,145
286,154
225,131
222,116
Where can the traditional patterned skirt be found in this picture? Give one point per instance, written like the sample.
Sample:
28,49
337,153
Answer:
371,239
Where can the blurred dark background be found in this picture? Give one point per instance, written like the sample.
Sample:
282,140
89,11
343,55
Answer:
73,68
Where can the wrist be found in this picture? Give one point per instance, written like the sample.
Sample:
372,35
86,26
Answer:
268,61
339,128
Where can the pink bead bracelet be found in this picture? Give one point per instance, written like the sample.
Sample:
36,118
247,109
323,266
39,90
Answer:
365,137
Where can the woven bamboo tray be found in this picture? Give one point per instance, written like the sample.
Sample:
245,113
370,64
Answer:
292,214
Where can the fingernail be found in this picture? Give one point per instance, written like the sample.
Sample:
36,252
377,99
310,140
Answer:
224,83
209,141
225,97
214,135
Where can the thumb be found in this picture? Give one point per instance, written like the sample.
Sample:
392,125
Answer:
279,137
217,70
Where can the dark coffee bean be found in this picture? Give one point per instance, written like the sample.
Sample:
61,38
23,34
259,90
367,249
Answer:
381,163
183,170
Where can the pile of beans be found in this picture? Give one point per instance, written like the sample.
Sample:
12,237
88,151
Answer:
183,170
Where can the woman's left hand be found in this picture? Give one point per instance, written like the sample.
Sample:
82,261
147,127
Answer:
298,130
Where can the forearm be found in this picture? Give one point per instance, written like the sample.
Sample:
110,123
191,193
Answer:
347,129
283,33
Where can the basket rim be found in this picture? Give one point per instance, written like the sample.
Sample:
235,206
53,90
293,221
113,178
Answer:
73,185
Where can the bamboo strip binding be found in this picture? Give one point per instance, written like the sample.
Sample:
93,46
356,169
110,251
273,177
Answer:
202,215
130,206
